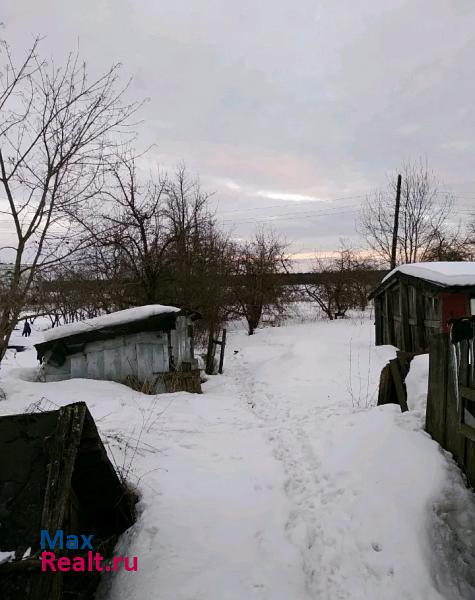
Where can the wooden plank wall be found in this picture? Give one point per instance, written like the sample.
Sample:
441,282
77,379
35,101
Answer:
450,369
407,314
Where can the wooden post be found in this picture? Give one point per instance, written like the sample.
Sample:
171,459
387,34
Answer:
212,343
210,355
457,442
398,384
384,390
378,320
437,391
396,223
221,353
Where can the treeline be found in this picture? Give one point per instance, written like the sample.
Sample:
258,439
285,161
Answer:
226,280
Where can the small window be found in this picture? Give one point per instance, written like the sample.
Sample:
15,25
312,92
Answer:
472,306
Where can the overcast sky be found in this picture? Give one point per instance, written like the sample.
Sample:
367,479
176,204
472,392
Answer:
290,110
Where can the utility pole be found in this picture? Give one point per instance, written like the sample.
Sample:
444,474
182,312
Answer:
396,223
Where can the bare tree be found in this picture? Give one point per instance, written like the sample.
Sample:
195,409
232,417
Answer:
471,237
155,240
56,130
258,286
424,213
342,282
456,245
128,231
332,290
68,292
198,252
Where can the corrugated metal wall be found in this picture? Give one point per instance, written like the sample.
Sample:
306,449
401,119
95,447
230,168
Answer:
142,356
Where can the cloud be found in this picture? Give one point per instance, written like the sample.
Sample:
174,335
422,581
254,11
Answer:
457,145
232,185
274,195
408,129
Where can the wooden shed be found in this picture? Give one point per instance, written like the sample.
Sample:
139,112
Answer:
415,301
138,346
55,475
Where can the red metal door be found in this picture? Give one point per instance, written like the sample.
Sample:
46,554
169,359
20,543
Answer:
454,306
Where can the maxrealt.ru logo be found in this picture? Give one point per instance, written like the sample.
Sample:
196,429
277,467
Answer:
53,560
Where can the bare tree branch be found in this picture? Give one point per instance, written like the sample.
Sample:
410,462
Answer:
57,130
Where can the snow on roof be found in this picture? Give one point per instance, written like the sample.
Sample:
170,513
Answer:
120,317
445,273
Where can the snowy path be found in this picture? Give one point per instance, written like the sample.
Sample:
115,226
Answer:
219,511
277,483
363,485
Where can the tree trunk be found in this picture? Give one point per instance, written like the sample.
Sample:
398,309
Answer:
7,325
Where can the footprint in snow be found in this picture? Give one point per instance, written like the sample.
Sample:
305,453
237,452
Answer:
376,547
187,446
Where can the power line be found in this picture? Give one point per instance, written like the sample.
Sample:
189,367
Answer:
293,203
348,209
294,216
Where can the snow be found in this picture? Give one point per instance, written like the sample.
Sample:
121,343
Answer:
417,383
445,273
282,481
6,556
119,317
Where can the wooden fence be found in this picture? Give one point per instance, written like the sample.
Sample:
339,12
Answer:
450,417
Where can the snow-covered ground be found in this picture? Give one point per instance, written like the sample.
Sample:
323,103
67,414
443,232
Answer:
282,481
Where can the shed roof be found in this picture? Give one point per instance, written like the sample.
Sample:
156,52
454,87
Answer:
72,337
443,273
112,320
450,276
